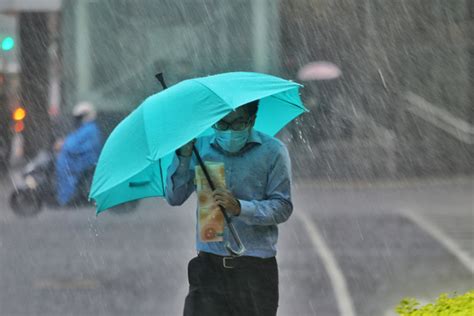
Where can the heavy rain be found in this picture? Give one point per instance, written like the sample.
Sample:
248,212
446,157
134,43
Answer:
381,152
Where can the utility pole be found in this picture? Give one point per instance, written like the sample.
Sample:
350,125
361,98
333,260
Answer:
83,48
7,51
34,80
5,133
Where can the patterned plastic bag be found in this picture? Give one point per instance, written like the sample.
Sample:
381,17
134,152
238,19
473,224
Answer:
211,219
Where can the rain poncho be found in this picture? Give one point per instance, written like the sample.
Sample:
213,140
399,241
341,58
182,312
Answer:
79,153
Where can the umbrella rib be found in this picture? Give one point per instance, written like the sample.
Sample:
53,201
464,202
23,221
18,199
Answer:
202,84
271,95
291,103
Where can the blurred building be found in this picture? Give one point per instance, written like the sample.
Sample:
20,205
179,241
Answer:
28,60
112,49
403,106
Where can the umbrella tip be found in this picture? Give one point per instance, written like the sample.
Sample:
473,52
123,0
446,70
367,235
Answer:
161,79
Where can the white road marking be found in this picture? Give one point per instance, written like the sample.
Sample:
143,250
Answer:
441,237
338,281
439,117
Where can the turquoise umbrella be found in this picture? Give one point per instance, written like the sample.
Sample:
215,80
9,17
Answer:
134,161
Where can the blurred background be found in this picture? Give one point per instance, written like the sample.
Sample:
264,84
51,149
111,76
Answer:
402,106
392,125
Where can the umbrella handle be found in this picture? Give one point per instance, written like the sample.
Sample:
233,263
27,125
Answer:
241,250
228,220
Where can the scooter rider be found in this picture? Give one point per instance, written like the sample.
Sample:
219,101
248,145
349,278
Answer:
77,153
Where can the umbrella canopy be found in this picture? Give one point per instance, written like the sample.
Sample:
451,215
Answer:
136,156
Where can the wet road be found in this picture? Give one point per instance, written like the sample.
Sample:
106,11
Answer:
350,250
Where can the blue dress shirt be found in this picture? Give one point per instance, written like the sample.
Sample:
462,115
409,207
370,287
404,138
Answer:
259,176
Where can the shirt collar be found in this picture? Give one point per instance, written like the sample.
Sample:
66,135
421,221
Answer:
254,137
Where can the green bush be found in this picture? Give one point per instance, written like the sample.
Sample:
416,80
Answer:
462,305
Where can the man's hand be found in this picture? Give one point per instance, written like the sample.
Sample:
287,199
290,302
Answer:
187,149
225,199
58,145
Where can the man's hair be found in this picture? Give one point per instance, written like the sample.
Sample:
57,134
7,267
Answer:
251,107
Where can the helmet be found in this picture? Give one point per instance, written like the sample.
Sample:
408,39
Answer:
85,111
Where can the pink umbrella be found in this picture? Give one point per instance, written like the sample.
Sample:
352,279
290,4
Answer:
319,70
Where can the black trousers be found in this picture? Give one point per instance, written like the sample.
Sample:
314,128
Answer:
243,286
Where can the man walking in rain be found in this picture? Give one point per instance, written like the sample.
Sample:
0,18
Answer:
257,197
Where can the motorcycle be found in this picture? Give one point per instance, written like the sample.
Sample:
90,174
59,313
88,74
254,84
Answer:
36,187
36,184
32,187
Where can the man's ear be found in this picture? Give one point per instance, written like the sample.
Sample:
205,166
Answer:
252,120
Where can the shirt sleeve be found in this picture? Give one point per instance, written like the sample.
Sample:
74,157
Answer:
180,180
278,207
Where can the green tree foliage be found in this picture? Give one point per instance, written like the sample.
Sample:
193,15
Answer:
462,305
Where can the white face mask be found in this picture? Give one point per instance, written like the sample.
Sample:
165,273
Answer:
232,141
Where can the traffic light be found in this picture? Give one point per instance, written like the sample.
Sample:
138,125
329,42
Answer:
19,115
8,43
